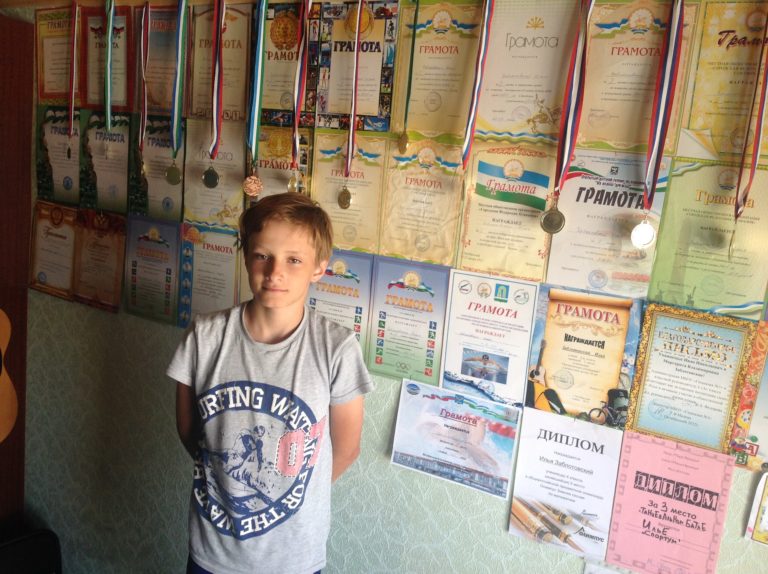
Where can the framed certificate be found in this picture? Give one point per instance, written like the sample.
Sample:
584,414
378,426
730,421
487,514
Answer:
690,368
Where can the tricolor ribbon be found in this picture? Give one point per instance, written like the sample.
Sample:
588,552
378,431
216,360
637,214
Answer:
177,105
110,12
300,82
482,53
146,15
352,136
666,80
573,98
73,44
217,83
257,78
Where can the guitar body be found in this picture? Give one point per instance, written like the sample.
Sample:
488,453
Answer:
9,403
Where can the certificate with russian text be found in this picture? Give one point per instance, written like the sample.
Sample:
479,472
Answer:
506,192
602,204
343,295
690,368
464,440
93,53
54,54
104,161
274,164
355,225
280,52
407,314
161,58
99,256
670,506
699,262
564,483
53,249
488,329
58,155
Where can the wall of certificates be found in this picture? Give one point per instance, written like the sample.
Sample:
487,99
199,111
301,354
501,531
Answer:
531,358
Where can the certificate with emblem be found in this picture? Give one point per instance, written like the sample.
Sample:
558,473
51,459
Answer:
54,54
99,256
506,193
274,163
104,161
407,315
529,45
602,204
53,249
280,51
422,203
152,268
489,324
343,295
464,440
356,221
161,58
58,156
92,70
690,367
700,263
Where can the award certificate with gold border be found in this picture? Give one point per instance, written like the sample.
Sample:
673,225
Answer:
93,52
54,54
99,256
280,51
274,165
53,249
161,59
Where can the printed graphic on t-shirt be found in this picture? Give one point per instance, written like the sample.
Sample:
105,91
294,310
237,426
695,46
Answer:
259,476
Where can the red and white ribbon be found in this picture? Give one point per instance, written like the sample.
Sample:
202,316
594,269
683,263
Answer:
217,83
146,15
352,136
73,49
300,81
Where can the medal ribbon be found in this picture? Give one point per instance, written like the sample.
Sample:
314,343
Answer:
74,19
482,52
217,84
352,136
182,20
573,98
110,12
666,80
757,140
300,82
254,119
410,66
146,14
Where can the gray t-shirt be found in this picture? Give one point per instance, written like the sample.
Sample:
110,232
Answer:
262,477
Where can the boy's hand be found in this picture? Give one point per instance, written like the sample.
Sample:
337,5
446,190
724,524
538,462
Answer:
346,427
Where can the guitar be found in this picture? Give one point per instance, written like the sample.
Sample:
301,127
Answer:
9,402
539,395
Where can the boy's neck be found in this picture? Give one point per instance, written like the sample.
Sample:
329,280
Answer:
271,326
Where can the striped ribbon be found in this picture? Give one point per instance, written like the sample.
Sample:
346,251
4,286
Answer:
257,77
410,66
146,15
73,44
482,53
217,83
300,82
177,106
573,98
352,136
110,12
666,80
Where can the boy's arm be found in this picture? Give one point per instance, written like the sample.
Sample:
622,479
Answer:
186,417
346,426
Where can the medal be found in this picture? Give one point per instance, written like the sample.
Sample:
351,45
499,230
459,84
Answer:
552,220
253,186
173,174
643,235
344,198
210,178
293,184
402,142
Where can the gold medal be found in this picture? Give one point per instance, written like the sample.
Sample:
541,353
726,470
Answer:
210,178
552,220
344,198
293,184
402,142
173,174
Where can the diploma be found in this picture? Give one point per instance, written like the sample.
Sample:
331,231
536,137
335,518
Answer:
58,157
105,161
95,37
280,53
343,295
99,255
421,208
54,54
693,265
356,225
506,193
152,268
274,163
235,44
209,268
522,92
53,249
489,324
161,61
689,371
222,204
407,316
602,205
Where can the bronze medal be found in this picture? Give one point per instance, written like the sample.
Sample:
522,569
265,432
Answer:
173,174
344,198
552,220
253,186
402,142
210,178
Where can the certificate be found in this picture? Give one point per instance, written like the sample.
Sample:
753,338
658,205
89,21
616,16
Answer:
58,156
602,204
690,366
94,34
99,256
530,44
582,355
696,263
670,507
104,161
280,56
209,267
420,215
506,193
53,249
235,72
152,269
343,295
564,483
222,204
54,54
275,156
461,439
355,225
161,59
407,316
447,37
488,332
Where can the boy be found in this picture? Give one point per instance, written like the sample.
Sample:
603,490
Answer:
269,403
